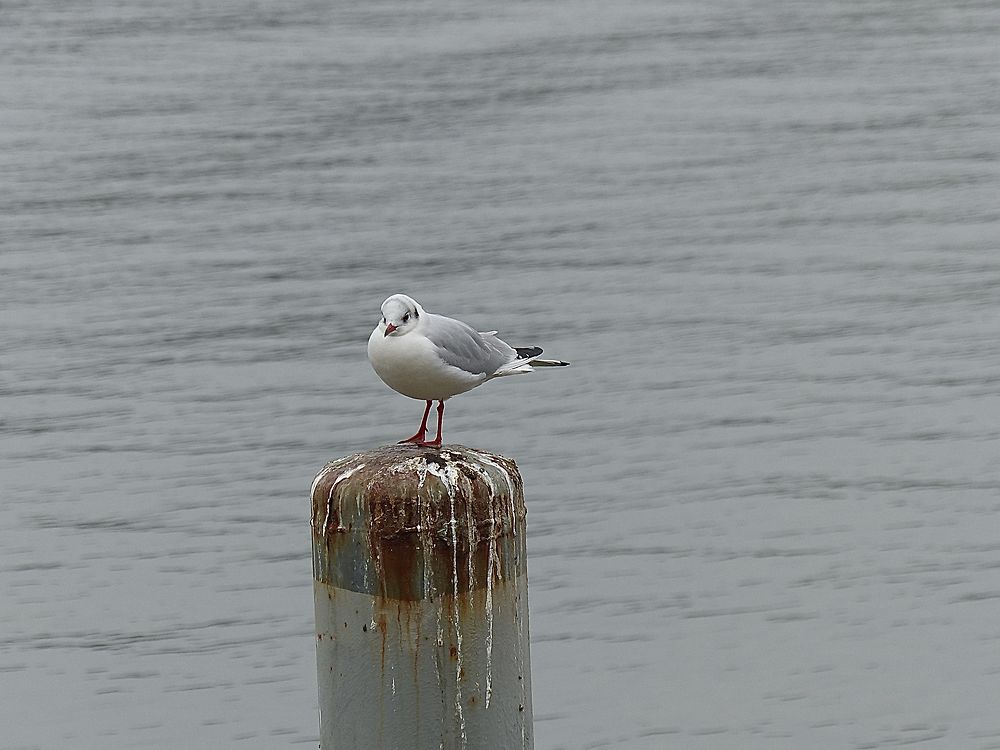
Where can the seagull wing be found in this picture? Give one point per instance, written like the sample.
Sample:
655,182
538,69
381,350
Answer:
461,346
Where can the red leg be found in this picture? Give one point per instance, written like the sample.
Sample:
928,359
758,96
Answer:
422,432
436,442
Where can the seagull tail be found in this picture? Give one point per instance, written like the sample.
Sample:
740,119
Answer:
527,359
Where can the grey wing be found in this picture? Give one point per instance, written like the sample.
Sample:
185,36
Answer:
461,346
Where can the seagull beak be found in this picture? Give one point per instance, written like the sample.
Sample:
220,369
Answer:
389,328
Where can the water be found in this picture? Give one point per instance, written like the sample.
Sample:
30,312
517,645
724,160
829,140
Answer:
763,502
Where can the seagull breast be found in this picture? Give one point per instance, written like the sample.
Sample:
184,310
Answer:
410,364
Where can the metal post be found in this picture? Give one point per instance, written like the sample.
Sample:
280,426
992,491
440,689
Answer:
421,601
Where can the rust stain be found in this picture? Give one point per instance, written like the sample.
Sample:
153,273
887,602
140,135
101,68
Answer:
415,523
416,652
383,628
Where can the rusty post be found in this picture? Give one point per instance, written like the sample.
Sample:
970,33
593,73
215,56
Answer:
420,580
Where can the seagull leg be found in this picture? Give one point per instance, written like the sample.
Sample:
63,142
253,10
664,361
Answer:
422,432
436,442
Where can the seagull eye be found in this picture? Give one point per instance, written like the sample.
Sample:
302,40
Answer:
406,317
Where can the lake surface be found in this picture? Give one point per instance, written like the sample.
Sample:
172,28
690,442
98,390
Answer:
762,504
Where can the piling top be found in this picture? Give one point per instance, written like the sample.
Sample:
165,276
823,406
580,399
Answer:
409,522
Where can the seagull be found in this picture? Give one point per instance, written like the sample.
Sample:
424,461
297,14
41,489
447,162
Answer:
432,358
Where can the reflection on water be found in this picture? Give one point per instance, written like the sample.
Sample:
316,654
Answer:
761,502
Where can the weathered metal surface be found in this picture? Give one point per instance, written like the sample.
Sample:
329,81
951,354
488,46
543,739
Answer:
421,601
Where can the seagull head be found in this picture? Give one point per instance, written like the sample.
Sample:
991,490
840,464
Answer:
400,314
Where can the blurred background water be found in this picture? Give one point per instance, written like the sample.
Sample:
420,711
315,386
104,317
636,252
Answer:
762,503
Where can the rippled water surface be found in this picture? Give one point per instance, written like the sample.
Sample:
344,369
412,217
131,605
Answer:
762,503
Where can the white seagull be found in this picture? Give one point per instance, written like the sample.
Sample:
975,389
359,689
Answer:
432,358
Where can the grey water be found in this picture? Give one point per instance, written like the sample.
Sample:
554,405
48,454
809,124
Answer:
762,503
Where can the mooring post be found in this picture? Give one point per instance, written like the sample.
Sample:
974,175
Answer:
421,601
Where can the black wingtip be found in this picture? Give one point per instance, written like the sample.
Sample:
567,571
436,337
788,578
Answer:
523,352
